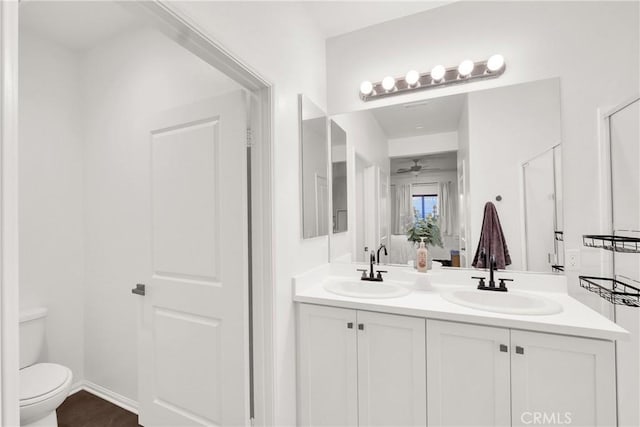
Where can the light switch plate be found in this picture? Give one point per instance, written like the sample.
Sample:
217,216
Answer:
573,260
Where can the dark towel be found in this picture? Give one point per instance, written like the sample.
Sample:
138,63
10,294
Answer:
491,240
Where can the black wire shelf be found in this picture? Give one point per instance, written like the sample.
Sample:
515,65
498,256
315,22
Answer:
559,235
612,243
612,290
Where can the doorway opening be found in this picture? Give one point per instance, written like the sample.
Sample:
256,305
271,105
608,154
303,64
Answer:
125,116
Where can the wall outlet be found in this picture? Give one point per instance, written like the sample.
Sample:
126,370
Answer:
573,260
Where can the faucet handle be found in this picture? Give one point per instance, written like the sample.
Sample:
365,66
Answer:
379,276
481,279
504,285
364,272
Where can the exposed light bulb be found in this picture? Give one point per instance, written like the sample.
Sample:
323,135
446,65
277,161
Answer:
437,73
388,83
412,77
495,63
366,87
465,68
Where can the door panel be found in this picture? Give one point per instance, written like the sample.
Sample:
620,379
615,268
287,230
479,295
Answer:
391,370
566,379
193,367
184,200
468,375
327,372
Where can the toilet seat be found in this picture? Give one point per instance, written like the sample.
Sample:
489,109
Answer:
42,381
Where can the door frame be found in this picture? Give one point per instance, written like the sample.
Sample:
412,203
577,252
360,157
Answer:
183,29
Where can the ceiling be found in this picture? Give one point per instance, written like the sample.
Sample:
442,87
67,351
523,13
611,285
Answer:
77,25
432,163
339,17
430,116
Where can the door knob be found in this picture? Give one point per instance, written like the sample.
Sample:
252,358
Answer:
139,289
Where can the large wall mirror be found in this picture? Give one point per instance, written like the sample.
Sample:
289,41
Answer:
313,169
437,162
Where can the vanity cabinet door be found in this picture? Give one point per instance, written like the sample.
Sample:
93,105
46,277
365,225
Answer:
562,380
468,375
391,370
327,372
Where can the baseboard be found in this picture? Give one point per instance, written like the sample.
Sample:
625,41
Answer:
106,394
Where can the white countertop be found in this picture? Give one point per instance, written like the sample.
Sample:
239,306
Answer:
425,300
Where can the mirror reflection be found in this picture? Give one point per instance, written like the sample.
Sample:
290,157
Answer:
425,171
313,168
339,205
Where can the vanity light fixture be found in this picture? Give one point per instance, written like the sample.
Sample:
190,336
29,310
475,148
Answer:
437,73
467,71
366,88
412,78
495,63
388,83
466,68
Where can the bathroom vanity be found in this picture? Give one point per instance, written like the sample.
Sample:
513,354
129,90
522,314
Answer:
427,358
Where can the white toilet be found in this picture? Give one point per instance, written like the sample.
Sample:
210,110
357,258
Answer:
43,386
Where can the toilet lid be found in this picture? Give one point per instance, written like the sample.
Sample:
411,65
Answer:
41,379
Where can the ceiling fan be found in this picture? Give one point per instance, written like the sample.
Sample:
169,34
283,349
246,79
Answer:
415,168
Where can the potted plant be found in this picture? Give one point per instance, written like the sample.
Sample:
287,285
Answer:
425,227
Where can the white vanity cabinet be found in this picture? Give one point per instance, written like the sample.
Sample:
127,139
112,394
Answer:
362,368
486,376
469,378
569,378
359,368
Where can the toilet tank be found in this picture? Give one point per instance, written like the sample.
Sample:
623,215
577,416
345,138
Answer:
32,328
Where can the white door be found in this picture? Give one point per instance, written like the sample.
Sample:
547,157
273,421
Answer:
391,370
540,211
562,380
468,368
193,335
327,374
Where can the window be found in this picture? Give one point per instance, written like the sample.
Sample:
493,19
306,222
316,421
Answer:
425,205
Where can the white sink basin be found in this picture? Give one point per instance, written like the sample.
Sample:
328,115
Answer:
364,289
512,302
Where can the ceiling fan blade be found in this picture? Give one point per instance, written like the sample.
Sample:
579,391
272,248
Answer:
403,170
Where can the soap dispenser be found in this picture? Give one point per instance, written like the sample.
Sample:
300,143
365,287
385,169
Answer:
421,257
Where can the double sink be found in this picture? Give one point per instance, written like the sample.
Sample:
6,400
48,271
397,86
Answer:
512,302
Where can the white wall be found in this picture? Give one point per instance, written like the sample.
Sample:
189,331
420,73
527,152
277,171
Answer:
125,80
507,127
50,205
281,42
423,144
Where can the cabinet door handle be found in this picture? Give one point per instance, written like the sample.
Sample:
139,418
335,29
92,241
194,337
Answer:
139,289
361,326
350,325
519,350
504,348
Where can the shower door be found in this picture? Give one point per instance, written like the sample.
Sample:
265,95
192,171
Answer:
540,212
193,331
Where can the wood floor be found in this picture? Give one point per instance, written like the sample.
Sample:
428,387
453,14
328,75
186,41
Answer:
83,409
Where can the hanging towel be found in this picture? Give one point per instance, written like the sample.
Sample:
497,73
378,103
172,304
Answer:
491,240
